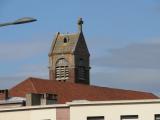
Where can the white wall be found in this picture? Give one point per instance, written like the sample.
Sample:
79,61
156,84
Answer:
41,114
113,112
19,115
80,111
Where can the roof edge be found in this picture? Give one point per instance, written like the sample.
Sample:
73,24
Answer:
53,43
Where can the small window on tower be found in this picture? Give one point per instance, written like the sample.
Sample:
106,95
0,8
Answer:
65,40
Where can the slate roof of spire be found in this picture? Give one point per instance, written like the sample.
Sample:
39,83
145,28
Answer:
68,92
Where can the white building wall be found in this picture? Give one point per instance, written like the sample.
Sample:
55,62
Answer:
114,111
40,114
16,115
80,111
43,114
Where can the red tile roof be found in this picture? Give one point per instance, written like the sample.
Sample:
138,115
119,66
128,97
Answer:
68,92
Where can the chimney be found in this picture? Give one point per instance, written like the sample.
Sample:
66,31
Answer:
4,94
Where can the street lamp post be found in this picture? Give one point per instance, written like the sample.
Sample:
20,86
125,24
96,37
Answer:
19,21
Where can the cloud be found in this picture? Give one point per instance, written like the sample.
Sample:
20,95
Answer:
139,55
133,79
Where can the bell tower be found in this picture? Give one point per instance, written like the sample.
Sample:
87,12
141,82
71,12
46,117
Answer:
69,57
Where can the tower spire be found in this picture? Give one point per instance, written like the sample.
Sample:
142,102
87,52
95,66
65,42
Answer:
80,22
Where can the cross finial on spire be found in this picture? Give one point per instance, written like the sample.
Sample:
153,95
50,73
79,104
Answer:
80,22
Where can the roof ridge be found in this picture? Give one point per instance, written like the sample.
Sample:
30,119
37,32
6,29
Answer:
68,34
31,81
53,43
77,41
32,78
27,79
122,89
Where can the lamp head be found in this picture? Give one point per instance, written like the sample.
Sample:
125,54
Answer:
24,20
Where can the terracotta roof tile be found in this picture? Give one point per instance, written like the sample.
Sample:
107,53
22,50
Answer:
68,92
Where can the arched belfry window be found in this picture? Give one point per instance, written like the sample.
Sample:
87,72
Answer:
62,71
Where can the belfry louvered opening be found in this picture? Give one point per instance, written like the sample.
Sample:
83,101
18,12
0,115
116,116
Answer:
81,70
62,69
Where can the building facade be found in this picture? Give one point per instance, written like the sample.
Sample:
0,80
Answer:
87,110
